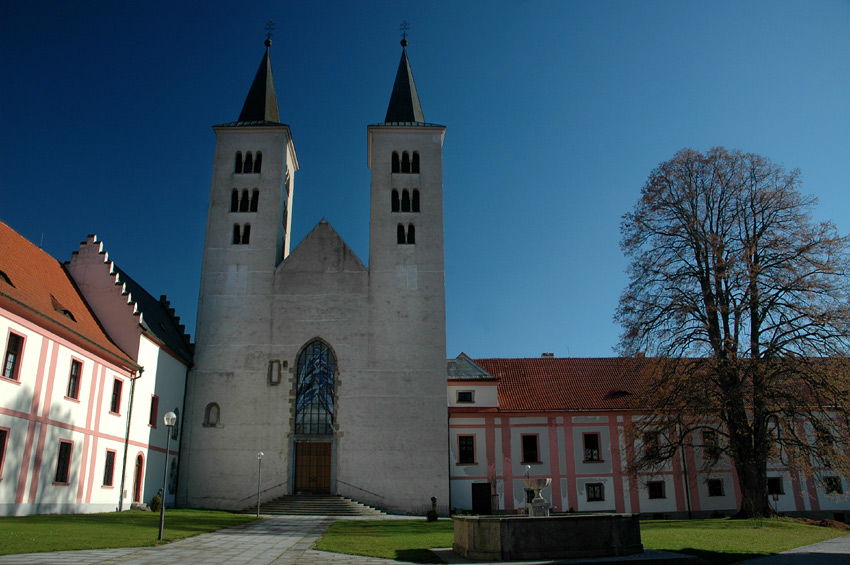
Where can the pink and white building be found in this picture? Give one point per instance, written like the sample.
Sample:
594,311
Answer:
81,403
565,418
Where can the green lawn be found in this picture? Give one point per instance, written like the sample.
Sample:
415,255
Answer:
404,540
135,528
730,541
716,541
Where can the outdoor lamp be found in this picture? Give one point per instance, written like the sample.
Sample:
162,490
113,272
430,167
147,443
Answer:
259,472
169,420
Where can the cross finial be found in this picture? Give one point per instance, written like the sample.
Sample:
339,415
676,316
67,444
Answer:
404,28
269,30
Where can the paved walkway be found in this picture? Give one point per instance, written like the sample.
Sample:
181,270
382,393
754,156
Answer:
288,539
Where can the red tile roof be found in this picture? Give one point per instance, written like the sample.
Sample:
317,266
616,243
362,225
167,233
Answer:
556,384
42,292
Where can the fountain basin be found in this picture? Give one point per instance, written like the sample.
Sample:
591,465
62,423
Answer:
518,538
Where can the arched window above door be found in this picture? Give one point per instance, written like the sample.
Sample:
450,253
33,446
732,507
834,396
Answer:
314,406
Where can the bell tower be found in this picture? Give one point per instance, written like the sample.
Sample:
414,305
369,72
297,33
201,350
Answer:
407,298
247,238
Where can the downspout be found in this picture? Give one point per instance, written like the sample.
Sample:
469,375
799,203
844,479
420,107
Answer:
685,468
127,439
179,446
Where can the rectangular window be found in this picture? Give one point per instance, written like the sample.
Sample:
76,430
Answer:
109,468
833,485
529,449
709,445
12,359
591,447
63,462
74,380
465,450
115,404
465,396
154,411
595,492
775,486
650,446
656,489
4,435
715,487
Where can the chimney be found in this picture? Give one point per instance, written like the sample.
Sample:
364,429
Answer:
547,355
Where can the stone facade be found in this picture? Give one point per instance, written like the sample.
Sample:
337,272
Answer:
335,371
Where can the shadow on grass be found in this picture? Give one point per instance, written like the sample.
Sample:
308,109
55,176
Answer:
417,556
719,557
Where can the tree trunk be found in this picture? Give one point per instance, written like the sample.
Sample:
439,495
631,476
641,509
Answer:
753,483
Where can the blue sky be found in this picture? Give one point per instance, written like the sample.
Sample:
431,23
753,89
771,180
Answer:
556,112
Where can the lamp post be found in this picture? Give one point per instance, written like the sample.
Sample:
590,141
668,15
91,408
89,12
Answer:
169,419
259,473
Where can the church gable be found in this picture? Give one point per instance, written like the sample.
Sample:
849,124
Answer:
322,251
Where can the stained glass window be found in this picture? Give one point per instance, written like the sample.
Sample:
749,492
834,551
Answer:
314,406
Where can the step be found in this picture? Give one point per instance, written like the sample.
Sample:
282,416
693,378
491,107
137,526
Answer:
315,505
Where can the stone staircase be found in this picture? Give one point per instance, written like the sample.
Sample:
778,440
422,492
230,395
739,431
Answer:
315,505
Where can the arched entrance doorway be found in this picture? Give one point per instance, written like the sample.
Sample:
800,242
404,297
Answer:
137,478
314,419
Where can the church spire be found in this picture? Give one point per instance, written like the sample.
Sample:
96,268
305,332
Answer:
261,103
404,102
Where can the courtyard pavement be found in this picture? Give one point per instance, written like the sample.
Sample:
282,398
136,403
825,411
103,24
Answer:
288,539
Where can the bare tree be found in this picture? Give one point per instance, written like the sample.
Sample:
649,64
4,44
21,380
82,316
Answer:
744,301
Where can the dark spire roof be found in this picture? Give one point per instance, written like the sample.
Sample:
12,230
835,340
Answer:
404,102
261,103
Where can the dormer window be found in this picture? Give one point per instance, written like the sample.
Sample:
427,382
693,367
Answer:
465,397
61,309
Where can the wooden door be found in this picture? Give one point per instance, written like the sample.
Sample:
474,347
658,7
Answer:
313,467
137,480
481,498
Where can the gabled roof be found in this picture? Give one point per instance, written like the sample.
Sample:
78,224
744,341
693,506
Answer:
573,384
322,250
465,368
260,106
404,107
40,290
155,317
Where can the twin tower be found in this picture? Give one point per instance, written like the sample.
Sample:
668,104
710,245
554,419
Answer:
335,371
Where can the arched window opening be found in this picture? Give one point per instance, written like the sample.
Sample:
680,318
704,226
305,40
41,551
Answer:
286,181
172,477
237,234
400,234
411,233
405,200
314,405
284,216
246,234
238,167
405,162
175,429
415,200
396,167
234,201
415,165
255,200
258,162
395,201
244,203
249,163
212,415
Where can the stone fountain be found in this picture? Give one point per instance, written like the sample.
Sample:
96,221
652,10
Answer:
538,506
540,536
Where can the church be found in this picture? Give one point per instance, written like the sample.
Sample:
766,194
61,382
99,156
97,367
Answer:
333,369
314,371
